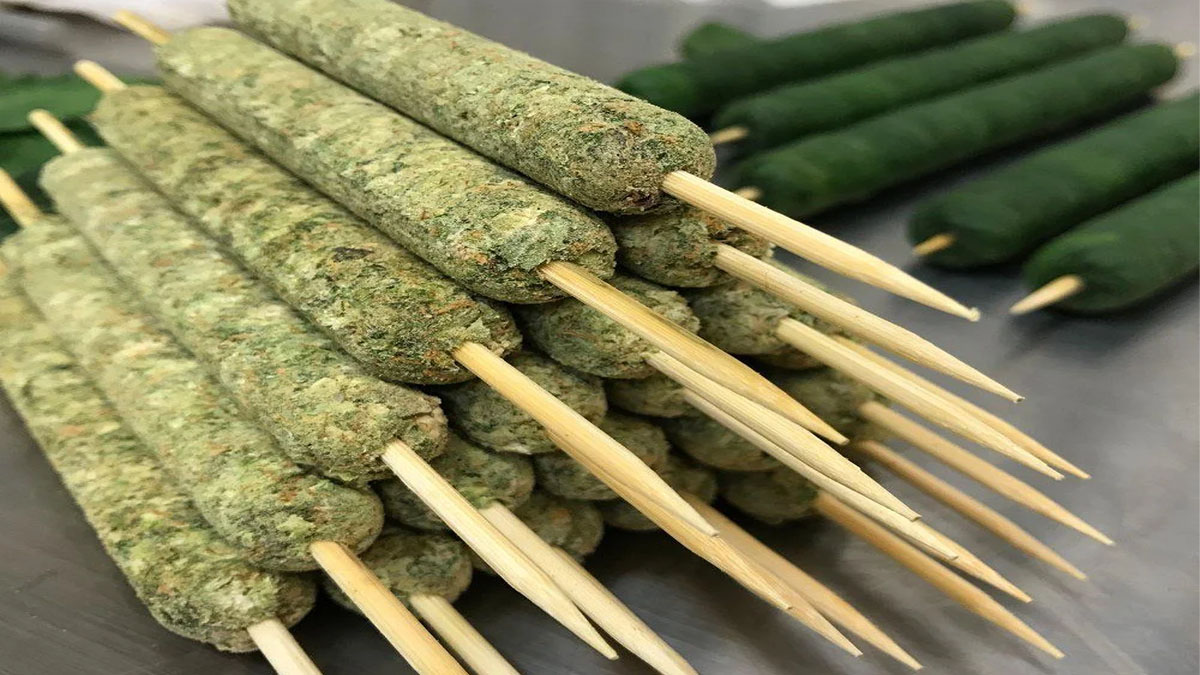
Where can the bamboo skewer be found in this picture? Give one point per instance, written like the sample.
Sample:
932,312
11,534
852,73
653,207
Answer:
904,391
749,192
16,202
967,505
141,27
1054,292
854,319
728,135
808,242
783,434
677,342
280,649
960,460
589,594
823,598
922,565
474,649
406,634
614,464
1016,435
938,242
742,569
498,551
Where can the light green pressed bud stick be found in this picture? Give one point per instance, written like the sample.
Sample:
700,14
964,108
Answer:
194,583
581,138
928,569
245,487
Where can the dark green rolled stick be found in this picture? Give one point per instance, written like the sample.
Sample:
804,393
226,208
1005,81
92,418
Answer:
560,475
711,37
193,582
1122,258
697,86
787,113
1009,212
858,161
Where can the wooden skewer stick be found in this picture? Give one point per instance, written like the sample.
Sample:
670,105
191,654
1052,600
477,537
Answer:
904,391
615,464
589,594
938,242
406,634
749,192
972,508
964,462
454,629
55,132
141,27
1054,292
849,317
742,569
1016,435
915,530
679,343
928,569
783,434
497,550
728,135
16,202
97,76
808,242
822,597
280,648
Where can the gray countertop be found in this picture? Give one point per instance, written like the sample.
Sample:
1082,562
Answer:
1118,395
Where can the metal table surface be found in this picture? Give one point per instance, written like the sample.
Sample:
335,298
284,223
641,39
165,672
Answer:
1116,394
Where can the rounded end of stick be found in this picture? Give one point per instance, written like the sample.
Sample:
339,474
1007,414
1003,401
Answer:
938,242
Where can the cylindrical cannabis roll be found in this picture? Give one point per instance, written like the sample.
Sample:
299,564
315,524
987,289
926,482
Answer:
574,526
477,222
1127,255
832,396
1010,211
482,477
561,475
787,113
700,85
323,409
246,487
742,319
397,315
193,582
600,147
711,444
681,474
487,418
677,248
582,338
712,37
857,161
413,563
774,497
654,396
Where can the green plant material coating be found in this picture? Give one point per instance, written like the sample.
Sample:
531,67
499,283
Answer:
596,145
384,306
711,444
787,113
742,319
323,409
702,84
1128,255
858,161
677,248
194,583
582,338
478,223
774,497
485,417
572,525
561,475
413,563
712,37
246,487
1007,213
482,477
833,397
681,474
654,396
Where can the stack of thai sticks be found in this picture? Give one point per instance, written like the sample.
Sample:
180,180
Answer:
275,401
